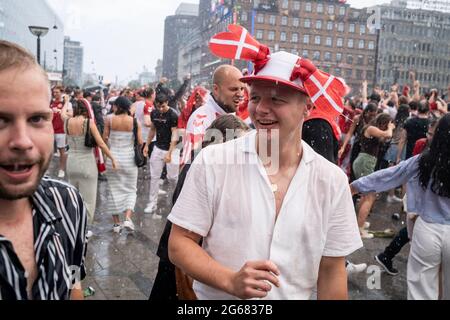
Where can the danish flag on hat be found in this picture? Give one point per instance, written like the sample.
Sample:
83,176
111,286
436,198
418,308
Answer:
325,90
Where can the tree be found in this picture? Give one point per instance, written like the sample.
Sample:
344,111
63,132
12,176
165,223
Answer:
134,84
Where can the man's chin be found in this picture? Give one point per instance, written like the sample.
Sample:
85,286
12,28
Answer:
11,192
18,192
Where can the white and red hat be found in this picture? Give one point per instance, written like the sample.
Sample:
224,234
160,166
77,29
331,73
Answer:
325,90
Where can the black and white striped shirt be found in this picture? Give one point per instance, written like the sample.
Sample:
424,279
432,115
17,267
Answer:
59,226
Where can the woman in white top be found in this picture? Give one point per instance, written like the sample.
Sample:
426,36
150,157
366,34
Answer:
122,184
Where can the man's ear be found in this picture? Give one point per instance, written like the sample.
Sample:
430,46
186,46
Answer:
215,90
309,106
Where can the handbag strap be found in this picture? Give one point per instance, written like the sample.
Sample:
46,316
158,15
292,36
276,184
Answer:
135,129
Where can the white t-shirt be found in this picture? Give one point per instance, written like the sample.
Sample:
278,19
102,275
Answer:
231,204
197,124
139,115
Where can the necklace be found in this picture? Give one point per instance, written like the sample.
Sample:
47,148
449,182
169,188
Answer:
274,187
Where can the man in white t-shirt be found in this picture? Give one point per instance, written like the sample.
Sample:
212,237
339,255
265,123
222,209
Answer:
276,218
227,94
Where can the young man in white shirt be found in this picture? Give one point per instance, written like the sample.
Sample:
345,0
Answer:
275,223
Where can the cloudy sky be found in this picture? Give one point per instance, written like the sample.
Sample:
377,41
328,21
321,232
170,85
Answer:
120,37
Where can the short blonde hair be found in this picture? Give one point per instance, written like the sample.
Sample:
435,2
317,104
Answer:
14,56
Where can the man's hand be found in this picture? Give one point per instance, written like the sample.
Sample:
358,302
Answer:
168,158
252,281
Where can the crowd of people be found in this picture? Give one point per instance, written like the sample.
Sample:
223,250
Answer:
236,229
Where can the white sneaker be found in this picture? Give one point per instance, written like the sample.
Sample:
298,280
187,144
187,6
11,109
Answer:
161,192
366,225
156,216
117,228
365,234
393,199
89,235
128,224
61,174
355,268
150,208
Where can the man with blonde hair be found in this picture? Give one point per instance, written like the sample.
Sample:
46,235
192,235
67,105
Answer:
42,221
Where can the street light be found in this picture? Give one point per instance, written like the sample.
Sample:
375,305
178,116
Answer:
38,32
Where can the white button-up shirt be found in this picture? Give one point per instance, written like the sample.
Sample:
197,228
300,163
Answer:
228,200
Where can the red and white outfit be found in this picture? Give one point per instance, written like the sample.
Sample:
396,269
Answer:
196,127
58,124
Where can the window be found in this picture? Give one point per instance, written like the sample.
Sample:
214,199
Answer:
338,72
362,29
294,51
371,45
342,11
327,56
295,22
317,39
283,36
341,27
340,42
316,55
307,23
296,5
244,16
338,57
349,59
329,25
350,43
331,10
259,34
294,37
329,42
305,53
306,38
361,44
348,73
359,74
285,4
272,20
360,60
351,28
260,18
271,36
319,24
308,7
284,21
319,8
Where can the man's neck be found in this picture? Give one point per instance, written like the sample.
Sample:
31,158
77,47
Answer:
222,105
288,153
13,212
422,116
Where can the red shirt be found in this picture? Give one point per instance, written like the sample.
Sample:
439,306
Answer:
148,108
419,146
58,124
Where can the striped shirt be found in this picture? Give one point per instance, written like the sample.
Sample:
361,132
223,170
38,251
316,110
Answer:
59,227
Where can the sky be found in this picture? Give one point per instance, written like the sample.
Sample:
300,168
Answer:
120,37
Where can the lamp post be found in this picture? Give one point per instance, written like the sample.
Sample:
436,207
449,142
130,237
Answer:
38,32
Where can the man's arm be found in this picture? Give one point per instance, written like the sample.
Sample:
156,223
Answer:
249,282
150,137
332,282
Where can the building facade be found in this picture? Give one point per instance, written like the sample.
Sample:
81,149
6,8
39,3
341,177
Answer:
17,16
73,62
189,57
176,27
330,33
414,40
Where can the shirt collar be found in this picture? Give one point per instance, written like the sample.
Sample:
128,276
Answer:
212,102
248,145
44,204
